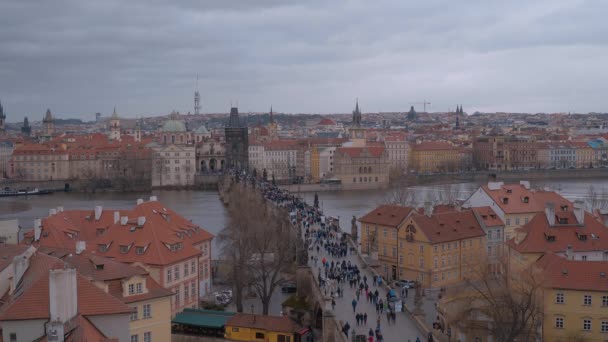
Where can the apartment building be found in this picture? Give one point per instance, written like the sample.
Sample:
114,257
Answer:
363,167
175,252
434,157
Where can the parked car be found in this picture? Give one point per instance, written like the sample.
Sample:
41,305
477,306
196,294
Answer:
408,284
289,288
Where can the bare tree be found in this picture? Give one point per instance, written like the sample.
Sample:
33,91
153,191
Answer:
507,306
259,243
595,199
400,195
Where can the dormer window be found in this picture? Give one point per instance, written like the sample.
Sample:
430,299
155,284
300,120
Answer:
550,238
140,250
103,248
563,220
100,231
505,200
582,237
509,191
124,249
564,208
99,267
526,199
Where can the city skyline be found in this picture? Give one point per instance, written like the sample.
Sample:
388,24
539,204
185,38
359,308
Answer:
81,58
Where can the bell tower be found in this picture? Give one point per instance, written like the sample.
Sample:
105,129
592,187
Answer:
357,132
115,126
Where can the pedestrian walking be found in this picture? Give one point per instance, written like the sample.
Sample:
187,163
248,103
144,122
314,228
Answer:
346,328
365,318
333,304
354,304
357,318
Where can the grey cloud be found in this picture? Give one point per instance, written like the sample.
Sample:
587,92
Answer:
80,57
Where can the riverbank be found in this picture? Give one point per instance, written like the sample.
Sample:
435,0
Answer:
468,177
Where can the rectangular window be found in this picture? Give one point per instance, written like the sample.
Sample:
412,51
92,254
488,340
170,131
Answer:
421,262
169,275
559,322
176,271
147,336
193,289
604,300
134,314
259,335
134,338
559,298
517,221
193,267
587,300
604,326
284,338
139,288
186,291
421,248
394,252
131,289
435,248
177,301
587,324
186,269
147,310
508,222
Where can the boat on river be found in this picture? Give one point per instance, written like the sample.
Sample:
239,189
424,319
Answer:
8,192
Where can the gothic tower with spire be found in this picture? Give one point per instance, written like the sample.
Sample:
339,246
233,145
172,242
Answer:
2,120
237,142
357,132
138,125
48,124
197,99
26,129
115,126
273,128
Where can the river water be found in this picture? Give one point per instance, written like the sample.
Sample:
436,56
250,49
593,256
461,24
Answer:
205,209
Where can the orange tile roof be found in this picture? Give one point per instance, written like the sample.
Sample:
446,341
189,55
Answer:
538,233
450,226
433,146
516,195
268,323
562,273
31,301
356,152
326,122
163,227
489,217
8,252
387,215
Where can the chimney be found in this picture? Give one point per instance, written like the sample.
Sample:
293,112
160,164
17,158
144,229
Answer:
153,198
550,212
80,246
428,208
98,210
141,220
579,212
116,217
20,264
124,220
52,212
526,184
37,229
569,253
59,209
140,201
63,302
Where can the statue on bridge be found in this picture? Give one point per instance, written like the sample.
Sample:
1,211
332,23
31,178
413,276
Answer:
302,256
353,228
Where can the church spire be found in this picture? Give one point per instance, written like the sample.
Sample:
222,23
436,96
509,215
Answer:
2,115
271,115
357,115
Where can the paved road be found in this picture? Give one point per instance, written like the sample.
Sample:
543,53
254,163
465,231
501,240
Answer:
403,330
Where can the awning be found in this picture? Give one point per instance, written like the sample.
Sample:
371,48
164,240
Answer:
203,318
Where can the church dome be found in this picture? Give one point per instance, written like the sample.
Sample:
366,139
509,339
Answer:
173,126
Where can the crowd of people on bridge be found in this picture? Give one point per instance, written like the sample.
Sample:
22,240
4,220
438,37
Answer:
328,249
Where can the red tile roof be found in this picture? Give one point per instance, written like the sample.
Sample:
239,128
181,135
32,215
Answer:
31,301
326,122
561,273
268,323
489,217
162,228
449,226
516,195
540,237
358,152
387,215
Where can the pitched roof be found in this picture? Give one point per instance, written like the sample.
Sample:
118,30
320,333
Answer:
540,237
567,274
449,226
32,302
268,323
489,217
516,199
387,215
8,252
162,229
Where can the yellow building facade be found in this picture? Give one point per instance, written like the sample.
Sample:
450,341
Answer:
249,327
436,250
314,164
151,316
434,156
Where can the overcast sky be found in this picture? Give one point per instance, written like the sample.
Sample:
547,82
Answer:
142,56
